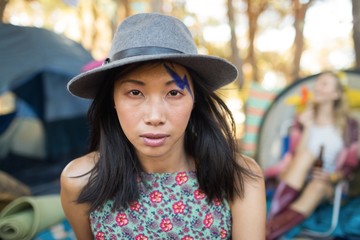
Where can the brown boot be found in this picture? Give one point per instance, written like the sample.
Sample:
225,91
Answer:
283,197
282,223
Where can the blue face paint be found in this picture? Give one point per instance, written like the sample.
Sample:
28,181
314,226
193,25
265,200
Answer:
182,83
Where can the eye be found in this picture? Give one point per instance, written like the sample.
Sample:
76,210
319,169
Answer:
174,93
134,93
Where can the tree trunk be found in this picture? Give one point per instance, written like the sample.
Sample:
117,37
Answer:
356,30
94,31
252,31
298,46
2,9
254,9
82,28
123,10
126,4
235,57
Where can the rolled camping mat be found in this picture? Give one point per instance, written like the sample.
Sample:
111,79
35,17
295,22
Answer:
11,189
24,217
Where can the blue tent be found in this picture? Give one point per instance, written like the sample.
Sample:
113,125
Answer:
45,127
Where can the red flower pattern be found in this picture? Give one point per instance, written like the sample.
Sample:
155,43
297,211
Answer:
156,196
223,233
176,194
198,194
100,236
141,237
181,178
135,206
121,219
166,225
178,207
217,202
208,221
187,238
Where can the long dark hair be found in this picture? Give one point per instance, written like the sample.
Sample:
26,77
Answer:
209,139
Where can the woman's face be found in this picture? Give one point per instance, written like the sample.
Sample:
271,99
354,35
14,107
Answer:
326,89
153,105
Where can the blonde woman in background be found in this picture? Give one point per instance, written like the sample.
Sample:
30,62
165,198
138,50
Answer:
327,149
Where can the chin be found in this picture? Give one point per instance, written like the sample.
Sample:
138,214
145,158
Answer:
152,153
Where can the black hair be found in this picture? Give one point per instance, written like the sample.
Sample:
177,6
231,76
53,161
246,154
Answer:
209,139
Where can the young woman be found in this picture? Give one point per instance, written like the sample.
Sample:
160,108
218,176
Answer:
163,160
327,148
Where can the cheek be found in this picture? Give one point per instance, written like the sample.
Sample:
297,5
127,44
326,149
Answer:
126,115
180,117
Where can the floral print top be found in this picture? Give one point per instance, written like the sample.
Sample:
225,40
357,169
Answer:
170,206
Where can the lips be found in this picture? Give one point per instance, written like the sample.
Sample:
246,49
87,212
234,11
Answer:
154,140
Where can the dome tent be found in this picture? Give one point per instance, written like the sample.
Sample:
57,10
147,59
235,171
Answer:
46,126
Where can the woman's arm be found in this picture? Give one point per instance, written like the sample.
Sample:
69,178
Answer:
71,186
306,120
249,213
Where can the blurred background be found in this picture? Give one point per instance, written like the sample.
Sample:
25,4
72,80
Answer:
273,44
44,43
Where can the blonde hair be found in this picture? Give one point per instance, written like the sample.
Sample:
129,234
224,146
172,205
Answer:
340,104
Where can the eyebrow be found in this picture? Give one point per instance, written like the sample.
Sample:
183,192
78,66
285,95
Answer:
132,81
138,82
170,82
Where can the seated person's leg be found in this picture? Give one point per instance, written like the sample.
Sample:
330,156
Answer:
298,170
313,194
291,182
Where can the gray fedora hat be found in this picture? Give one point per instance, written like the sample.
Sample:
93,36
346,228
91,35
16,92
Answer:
152,36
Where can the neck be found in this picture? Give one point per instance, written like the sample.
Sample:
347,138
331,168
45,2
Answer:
325,114
174,161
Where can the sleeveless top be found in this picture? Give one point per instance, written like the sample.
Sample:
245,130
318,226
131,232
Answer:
331,140
170,206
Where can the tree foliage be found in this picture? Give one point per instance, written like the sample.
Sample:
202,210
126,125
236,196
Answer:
93,22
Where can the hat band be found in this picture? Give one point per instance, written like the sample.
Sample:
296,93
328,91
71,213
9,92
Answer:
138,51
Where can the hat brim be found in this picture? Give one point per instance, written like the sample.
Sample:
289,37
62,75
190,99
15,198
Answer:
214,71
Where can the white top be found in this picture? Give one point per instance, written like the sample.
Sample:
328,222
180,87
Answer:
330,138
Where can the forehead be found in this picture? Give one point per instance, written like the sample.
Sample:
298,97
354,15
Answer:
327,77
150,70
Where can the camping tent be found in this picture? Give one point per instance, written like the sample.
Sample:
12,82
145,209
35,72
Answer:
45,126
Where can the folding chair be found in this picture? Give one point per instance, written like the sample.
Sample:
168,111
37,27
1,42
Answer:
338,193
270,144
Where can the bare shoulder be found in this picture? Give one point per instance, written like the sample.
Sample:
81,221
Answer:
249,212
250,165
77,172
73,179
81,165
252,180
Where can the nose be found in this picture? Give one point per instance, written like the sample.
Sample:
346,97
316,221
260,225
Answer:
155,112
